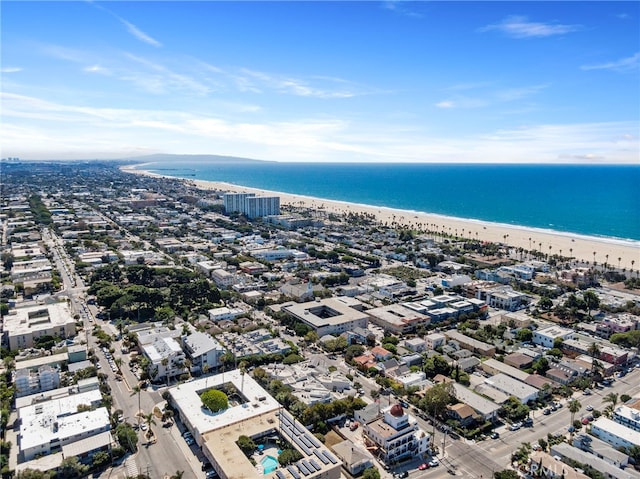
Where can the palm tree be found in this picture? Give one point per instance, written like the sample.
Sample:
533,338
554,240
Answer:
136,390
611,398
148,419
574,406
118,362
177,475
594,352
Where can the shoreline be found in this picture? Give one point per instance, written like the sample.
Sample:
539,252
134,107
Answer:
578,246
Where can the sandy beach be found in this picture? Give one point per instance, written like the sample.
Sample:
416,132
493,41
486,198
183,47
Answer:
613,251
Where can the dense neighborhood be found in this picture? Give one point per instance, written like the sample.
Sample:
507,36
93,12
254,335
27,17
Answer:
153,329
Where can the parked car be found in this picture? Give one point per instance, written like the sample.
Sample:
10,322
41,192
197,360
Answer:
434,463
515,426
495,435
546,412
423,466
589,407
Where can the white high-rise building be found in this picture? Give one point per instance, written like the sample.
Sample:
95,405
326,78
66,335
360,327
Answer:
235,202
251,205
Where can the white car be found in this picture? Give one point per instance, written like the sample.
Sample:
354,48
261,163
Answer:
589,407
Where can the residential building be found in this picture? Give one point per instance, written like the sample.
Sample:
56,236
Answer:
435,340
512,387
600,449
616,434
471,344
606,469
332,316
627,416
397,319
224,313
354,457
204,351
166,358
396,435
547,336
261,417
22,326
545,465
28,382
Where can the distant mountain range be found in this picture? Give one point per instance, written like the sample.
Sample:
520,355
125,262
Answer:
177,159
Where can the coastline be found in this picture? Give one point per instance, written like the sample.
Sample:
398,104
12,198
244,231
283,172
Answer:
580,247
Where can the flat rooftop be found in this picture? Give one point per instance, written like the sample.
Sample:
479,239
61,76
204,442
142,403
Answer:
329,311
187,397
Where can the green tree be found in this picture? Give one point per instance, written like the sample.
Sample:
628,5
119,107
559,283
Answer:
33,474
289,456
436,399
127,437
591,301
136,390
506,474
72,468
371,473
149,421
100,459
574,406
594,352
524,335
214,400
545,303
246,444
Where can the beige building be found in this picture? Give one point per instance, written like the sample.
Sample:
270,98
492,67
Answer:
258,416
23,326
329,316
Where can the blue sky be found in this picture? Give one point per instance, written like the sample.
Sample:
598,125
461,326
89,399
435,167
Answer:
322,81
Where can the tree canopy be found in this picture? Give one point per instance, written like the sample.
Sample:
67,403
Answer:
214,400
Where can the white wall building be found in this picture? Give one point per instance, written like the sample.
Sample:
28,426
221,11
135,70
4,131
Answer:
166,357
220,314
614,433
546,337
397,435
204,351
29,382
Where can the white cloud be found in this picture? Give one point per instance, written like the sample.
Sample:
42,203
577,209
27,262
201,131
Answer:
446,104
520,27
131,28
256,81
484,99
10,69
37,128
400,7
139,34
622,65
97,69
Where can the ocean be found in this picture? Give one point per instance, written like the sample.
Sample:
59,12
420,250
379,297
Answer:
591,200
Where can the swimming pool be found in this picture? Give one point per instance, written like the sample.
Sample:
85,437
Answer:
269,463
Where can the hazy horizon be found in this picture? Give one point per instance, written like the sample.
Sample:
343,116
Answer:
405,82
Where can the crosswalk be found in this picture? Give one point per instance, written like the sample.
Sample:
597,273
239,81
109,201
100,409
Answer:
131,467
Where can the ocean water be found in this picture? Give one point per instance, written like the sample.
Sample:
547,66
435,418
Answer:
592,200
